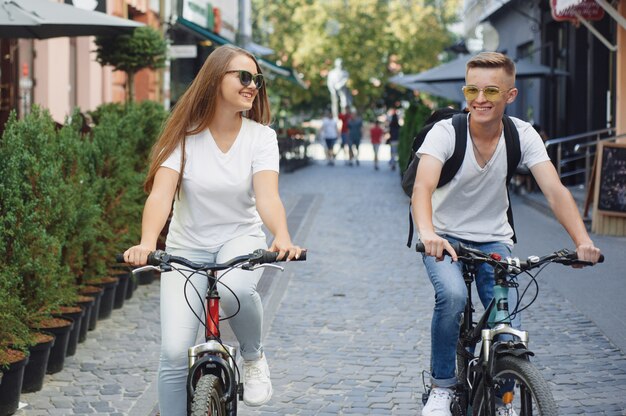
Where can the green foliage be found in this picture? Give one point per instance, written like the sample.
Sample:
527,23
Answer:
375,39
34,213
144,48
13,328
414,119
121,140
70,200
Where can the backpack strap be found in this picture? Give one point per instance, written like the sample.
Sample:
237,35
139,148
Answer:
452,165
513,157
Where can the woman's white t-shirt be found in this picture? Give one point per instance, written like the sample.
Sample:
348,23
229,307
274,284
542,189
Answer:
217,201
473,205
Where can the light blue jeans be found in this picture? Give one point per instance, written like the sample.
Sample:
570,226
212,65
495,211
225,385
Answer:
450,299
179,325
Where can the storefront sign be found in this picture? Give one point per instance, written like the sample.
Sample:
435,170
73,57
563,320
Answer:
182,51
563,10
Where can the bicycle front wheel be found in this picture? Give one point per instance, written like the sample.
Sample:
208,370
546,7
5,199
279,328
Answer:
207,398
531,393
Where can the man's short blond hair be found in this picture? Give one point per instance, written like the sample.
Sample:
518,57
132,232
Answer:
491,60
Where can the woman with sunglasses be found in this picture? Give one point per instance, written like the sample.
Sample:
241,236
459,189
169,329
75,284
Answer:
472,209
217,161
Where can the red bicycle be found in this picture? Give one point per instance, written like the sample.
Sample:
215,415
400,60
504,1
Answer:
213,381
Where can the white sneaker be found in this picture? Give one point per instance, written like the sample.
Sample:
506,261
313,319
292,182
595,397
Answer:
438,403
257,386
506,410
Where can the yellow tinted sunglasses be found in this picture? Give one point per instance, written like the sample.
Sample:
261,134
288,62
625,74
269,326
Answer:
491,93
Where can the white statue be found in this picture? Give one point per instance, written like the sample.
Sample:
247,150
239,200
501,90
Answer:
337,80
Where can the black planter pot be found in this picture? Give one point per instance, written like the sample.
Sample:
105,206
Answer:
121,289
108,296
56,361
11,387
87,306
72,342
132,286
35,370
96,293
146,277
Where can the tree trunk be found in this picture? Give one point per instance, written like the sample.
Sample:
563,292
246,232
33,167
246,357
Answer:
130,82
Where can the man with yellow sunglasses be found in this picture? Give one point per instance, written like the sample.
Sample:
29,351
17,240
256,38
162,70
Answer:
472,208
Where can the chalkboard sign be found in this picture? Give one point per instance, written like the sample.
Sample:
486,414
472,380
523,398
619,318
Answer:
612,179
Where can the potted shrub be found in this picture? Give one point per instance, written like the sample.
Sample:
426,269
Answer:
36,217
14,338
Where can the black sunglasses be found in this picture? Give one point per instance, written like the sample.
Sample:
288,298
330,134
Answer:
246,78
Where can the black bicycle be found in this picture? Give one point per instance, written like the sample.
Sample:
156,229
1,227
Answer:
213,381
499,373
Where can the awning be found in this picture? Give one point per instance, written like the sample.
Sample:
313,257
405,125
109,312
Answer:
202,32
43,19
282,71
454,71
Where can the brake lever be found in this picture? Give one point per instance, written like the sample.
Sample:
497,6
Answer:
249,266
163,268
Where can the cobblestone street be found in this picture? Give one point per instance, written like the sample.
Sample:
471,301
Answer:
347,331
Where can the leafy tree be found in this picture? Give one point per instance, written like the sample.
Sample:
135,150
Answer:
145,48
376,39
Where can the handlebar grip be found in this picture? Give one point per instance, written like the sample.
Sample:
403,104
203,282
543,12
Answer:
155,258
458,248
271,257
119,258
601,259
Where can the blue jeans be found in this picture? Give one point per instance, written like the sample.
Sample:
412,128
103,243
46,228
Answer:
450,299
179,325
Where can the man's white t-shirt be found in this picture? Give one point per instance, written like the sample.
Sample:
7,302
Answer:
473,205
217,201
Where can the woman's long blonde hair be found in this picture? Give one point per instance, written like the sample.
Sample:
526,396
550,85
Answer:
195,110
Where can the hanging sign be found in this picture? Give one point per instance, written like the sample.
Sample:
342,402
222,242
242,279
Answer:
564,10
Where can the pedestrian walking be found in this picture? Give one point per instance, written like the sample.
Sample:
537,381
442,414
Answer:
376,137
394,136
329,133
355,131
472,209
346,146
217,160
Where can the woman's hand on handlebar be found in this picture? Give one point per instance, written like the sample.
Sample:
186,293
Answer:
138,255
437,246
284,247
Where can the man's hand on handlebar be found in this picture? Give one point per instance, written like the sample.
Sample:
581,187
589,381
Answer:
437,246
587,252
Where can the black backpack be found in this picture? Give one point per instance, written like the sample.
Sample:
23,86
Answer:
452,165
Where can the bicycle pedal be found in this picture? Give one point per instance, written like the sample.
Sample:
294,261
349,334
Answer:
240,391
425,398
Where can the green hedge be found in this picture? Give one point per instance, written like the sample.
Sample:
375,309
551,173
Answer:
70,200
414,118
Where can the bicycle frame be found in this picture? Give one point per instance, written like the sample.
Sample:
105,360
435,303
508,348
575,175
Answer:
213,356
494,322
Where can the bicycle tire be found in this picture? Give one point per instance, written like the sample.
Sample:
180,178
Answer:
530,388
207,398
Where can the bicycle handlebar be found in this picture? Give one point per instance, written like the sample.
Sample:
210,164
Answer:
513,264
260,256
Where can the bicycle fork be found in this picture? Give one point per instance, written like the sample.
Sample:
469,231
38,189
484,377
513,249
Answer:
213,356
